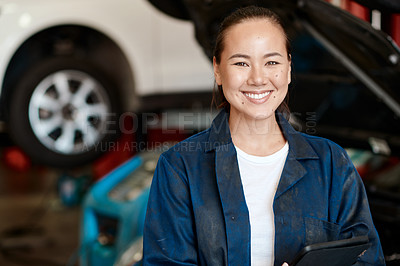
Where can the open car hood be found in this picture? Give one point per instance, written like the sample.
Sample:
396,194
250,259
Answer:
346,74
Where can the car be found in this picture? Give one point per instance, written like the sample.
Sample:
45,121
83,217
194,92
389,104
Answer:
69,69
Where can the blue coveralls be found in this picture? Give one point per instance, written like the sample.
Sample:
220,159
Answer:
197,213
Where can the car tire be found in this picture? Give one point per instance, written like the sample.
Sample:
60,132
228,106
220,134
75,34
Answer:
63,112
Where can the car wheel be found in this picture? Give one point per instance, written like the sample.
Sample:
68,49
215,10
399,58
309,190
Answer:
62,111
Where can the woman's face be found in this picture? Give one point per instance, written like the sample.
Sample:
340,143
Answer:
254,69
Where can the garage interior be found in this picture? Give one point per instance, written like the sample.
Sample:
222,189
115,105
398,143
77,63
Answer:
41,207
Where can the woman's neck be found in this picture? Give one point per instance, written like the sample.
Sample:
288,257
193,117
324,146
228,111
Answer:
260,137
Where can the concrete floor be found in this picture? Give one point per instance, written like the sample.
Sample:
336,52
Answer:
36,228
49,238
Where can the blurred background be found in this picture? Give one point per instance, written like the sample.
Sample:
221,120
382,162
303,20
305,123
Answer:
91,92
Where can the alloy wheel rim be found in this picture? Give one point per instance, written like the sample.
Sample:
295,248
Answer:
68,112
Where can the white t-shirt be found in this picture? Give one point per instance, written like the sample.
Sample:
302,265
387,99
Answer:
260,178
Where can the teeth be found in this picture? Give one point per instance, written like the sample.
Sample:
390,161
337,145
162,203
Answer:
257,95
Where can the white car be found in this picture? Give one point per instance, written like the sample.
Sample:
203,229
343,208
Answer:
68,68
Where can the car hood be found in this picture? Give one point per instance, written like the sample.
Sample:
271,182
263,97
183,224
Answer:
346,74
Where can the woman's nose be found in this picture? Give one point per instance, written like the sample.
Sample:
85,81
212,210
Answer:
257,76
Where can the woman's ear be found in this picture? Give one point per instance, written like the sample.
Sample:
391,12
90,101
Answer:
217,73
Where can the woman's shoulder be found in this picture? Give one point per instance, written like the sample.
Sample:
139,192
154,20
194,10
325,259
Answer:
307,145
197,143
334,157
322,145
187,154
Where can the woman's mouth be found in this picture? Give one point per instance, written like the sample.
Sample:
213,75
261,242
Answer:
257,96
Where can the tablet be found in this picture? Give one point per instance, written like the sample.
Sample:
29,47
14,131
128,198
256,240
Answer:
334,253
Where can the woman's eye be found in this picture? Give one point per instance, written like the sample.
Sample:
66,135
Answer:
240,64
271,63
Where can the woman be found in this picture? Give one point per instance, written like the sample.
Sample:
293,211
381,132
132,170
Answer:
251,190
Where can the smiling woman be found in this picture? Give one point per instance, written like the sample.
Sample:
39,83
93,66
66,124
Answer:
273,23
251,190
253,70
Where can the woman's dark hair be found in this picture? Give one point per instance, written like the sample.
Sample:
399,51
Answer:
237,17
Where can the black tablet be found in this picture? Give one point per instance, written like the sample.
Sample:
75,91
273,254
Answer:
334,253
